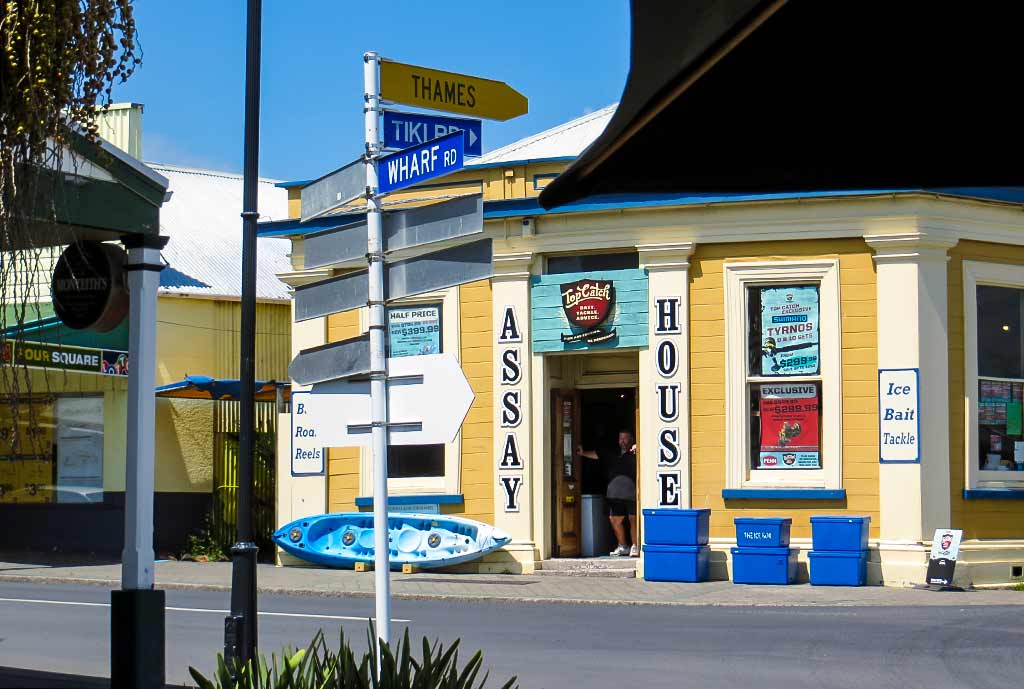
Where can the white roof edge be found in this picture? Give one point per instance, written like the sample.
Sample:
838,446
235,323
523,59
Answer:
500,154
137,165
205,171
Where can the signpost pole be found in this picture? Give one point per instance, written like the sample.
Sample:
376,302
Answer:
240,627
378,362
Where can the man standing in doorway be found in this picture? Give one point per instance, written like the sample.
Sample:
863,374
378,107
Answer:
620,471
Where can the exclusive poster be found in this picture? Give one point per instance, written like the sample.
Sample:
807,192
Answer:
789,331
789,426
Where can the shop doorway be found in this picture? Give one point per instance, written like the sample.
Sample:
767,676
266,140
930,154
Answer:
591,419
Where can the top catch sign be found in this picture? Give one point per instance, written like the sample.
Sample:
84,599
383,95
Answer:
437,90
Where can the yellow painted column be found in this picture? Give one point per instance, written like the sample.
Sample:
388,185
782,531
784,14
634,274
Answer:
913,334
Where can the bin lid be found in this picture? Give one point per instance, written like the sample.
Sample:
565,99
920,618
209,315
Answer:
753,550
844,518
669,512
763,520
824,554
676,548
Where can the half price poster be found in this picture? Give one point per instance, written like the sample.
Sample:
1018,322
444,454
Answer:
414,330
789,331
789,427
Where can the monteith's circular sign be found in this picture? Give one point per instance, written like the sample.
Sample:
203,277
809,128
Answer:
88,286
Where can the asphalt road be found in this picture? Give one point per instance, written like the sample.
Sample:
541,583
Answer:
587,646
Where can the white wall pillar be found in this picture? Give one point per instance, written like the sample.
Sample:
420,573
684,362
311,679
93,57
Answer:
913,333
143,268
515,473
664,440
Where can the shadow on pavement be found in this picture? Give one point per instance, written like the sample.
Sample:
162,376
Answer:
16,677
11,562
37,679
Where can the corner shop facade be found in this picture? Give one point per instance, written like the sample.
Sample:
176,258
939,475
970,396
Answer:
893,280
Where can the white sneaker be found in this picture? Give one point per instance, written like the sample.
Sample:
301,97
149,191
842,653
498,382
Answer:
634,550
621,551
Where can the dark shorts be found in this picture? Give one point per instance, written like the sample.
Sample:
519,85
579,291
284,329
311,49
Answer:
621,508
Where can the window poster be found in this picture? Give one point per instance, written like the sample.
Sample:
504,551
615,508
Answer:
789,331
789,427
414,330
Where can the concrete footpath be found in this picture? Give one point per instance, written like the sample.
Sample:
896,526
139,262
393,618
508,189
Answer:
216,576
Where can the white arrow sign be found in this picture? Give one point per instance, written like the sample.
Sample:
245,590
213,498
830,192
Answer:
428,398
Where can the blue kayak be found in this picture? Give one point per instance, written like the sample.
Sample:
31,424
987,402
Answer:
424,540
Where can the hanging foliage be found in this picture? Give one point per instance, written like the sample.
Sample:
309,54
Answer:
59,61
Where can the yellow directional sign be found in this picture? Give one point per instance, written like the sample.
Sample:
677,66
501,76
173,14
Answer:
448,91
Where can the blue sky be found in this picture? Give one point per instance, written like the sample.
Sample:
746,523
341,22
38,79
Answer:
567,57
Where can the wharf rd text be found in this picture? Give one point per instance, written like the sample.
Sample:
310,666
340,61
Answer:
405,167
443,91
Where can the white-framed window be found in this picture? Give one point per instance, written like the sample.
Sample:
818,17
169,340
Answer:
994,374
420,469
783,375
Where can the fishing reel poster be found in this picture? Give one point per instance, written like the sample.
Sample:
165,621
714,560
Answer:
789,331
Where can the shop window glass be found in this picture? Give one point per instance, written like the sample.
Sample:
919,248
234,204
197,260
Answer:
51,450
1000,378
584,263
784,377
415,461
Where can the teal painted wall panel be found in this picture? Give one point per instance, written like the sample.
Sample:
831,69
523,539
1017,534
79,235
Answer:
628,318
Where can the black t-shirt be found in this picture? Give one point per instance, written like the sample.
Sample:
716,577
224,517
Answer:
620,471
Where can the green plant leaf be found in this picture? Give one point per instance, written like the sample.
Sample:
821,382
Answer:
200,681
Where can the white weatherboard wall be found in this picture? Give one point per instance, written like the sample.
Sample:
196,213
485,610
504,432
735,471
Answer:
912,333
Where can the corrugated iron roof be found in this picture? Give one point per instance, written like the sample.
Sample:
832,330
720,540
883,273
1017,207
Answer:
567,140
203,220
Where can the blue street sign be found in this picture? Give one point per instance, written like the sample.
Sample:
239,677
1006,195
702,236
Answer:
420,163
405,129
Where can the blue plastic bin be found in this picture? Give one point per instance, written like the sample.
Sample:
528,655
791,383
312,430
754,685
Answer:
762,532
838,567
763,565
676,562
676,527
840,533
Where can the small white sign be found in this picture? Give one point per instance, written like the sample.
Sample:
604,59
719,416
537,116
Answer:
946,544
428,398
899,412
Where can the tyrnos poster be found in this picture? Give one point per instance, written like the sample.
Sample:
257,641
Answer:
789,331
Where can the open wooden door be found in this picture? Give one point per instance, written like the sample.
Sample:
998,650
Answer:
566,469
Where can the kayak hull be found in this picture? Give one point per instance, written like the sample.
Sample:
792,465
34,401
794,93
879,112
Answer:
342,539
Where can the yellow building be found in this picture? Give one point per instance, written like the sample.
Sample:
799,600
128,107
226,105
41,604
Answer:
850,353
62,469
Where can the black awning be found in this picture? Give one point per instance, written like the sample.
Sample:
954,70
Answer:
808,95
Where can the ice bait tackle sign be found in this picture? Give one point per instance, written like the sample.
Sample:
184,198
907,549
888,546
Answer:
899,423
789,427
789,331
587,304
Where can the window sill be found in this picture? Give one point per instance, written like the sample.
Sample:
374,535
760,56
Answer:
994,494
784,494
367,501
